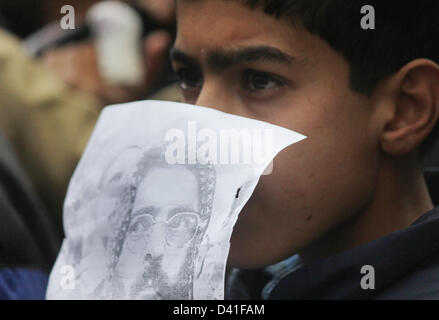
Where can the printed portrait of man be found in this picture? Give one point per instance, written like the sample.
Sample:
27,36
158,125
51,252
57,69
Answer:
116,185
89,220
157,241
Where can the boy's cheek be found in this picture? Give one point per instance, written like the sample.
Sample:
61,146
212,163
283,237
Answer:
278,220
271,224
315,185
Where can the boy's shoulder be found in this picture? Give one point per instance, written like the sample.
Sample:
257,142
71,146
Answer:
401,265
420,284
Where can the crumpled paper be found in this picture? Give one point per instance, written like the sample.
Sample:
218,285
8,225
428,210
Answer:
151,206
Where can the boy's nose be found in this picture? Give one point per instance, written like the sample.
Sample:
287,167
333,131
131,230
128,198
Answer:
215,96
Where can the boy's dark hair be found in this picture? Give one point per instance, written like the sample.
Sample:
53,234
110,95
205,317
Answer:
404,31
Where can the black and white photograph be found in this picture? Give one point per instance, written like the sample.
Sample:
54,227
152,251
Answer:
219,158
148,228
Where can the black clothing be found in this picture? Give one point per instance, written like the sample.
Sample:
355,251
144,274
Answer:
27,238
405,263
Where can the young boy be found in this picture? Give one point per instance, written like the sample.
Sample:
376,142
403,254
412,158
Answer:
348,206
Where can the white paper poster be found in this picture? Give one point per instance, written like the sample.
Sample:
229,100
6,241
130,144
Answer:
151,206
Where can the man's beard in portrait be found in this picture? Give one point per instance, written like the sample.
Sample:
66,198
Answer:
155,284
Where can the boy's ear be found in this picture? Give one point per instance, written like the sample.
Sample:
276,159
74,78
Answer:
415,109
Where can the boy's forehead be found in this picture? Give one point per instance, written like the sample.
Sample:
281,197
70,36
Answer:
217,25
226,16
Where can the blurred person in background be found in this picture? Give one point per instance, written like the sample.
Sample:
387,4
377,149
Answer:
43,126
48,109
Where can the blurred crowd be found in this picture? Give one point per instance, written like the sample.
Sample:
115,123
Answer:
53,84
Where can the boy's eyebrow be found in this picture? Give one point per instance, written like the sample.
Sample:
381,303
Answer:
222,59
179,56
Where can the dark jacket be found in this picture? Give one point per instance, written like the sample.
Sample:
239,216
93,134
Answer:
28,244
405,266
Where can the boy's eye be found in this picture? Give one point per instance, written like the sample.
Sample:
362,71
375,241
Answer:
189,79
256,80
